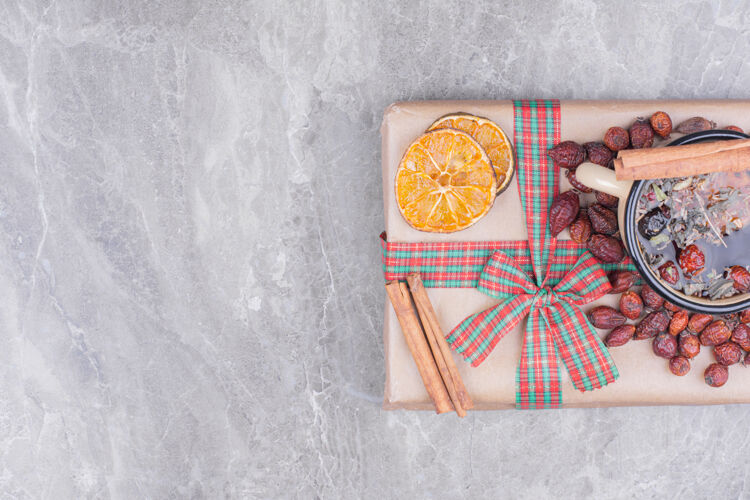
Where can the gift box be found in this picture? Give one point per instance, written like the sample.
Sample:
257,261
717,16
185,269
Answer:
644,379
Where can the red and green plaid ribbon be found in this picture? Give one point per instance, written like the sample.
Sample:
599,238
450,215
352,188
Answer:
556,327
459,264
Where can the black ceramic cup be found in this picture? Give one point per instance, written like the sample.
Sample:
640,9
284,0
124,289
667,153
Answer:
629,192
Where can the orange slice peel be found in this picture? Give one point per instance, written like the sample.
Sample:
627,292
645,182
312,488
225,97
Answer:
445,181
490,136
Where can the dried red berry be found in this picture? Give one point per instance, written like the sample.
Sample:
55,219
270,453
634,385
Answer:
735,128
695,124
662,124
606,317
580,229
603,220
570,174
567,154
650,298
698,322
716,375
741,336
745,316
728,353
741,278
716,333
679,365
631,305
619,336
664,345
692,260
563,211
672,307
654,323
669,273
607,199
678,322
598,153
654,221
606,248
616,138
641,134
622,280
689,345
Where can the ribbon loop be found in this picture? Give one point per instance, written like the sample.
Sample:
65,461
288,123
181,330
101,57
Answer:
501,278
556,328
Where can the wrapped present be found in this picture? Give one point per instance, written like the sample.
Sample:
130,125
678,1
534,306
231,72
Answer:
514,294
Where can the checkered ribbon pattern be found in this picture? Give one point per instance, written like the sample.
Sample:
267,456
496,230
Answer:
459,264
543,279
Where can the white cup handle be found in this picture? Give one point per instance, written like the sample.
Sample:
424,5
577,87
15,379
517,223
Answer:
602,179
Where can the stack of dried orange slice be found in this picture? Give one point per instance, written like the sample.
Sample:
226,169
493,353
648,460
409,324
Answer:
449,177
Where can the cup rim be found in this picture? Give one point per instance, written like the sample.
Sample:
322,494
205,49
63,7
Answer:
631,239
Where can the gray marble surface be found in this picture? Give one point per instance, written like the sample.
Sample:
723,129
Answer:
190,295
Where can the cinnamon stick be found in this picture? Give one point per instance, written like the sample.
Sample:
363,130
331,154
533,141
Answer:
683,161
417,343
440,349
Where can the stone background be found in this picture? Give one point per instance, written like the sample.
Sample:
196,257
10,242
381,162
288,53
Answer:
190,294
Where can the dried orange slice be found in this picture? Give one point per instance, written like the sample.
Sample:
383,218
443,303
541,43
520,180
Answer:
445,182
491,137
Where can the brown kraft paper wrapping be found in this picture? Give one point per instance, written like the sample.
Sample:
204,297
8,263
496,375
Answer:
644,379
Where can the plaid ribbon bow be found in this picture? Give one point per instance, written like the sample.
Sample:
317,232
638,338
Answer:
556,327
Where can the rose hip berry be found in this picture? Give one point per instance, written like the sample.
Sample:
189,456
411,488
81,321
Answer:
698,322
735,128
689,345
695,124
654,221
679,365
741,336
598,153
745,316
606,317
692,260
580,229
654,323
662,124
665,345
650,298
622,280
716,333
669,273
741,278
678,323
641,134
605,248
603,220
671,307
607,199
619,336
728,353
567,154
563,211
716,375
631,305
616,138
